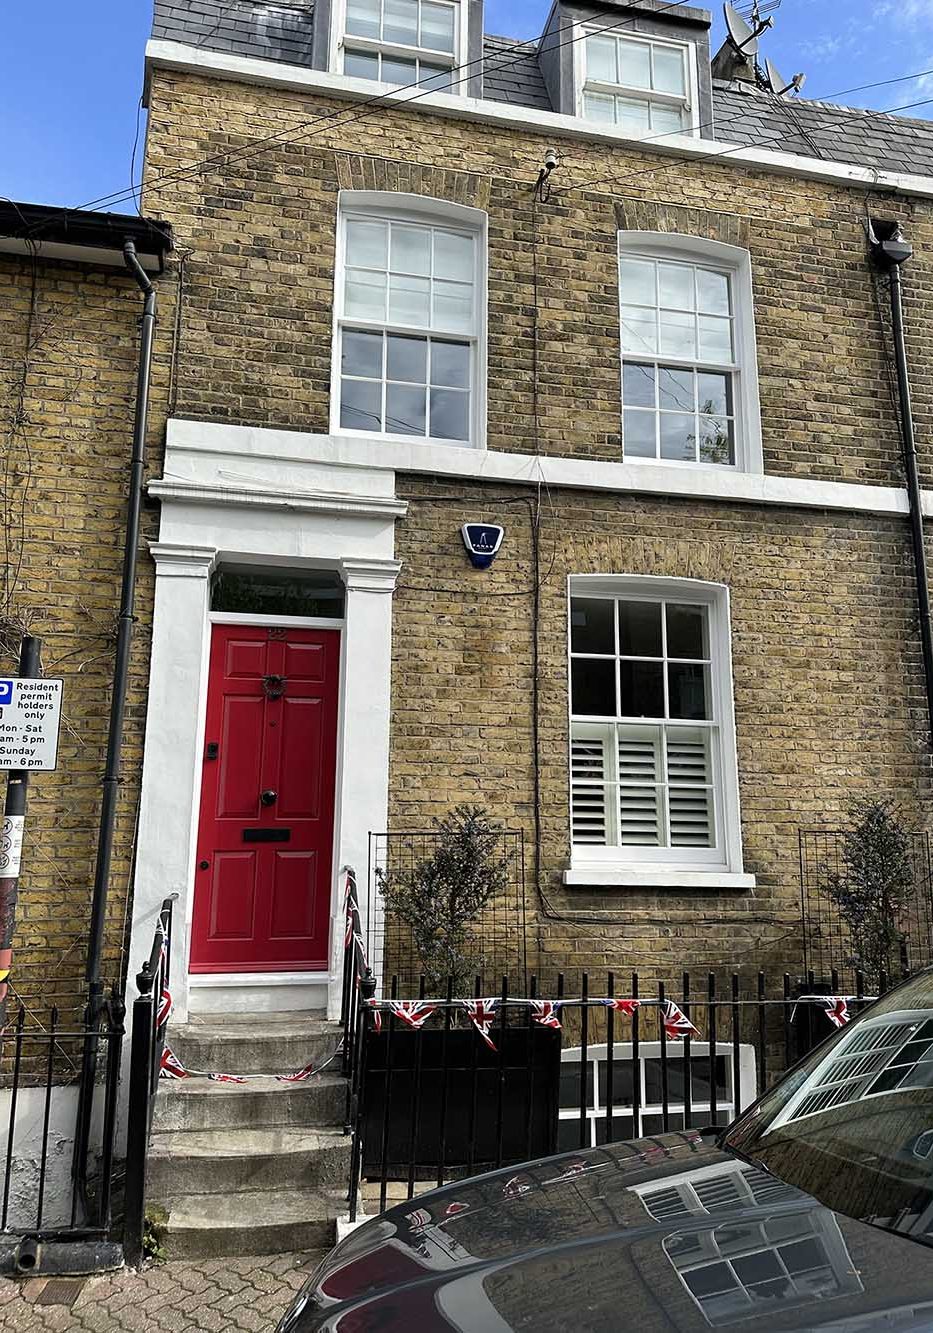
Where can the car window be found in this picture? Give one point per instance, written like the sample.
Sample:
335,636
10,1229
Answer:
853,1124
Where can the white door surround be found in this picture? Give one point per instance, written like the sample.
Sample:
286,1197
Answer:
238,503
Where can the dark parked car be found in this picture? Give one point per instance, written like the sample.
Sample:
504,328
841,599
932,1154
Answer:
814,1211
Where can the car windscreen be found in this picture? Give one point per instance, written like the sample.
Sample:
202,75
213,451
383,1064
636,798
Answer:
853,1124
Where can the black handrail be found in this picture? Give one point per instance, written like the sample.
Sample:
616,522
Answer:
151,1012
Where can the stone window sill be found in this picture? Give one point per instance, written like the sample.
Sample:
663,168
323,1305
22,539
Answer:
655,877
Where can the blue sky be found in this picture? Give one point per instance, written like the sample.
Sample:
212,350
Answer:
71,76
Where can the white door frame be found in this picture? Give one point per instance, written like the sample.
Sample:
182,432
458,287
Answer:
206,521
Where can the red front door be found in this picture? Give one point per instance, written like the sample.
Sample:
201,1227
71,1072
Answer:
263,871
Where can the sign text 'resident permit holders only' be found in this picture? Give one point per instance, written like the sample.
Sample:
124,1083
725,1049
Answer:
30,713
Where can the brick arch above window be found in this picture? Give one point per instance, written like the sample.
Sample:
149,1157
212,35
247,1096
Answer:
356,171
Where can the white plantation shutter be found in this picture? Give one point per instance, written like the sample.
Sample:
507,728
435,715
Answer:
689,788
589,796
639,773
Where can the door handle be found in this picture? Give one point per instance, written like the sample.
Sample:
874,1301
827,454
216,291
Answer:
269,797
204,865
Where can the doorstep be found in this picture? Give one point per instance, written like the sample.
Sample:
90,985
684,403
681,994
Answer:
247,992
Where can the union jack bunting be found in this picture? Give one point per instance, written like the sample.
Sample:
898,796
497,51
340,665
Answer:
545,1013
413,1012
170,1066
482,1012
165,998
837,1009
676,1023
626,1007
226,1078
299,1076
377,1015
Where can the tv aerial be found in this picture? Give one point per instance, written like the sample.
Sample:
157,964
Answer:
742,35
778,85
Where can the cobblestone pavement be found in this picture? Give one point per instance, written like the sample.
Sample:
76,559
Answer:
209,1295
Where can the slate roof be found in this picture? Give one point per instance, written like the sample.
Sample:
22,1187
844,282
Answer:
742,113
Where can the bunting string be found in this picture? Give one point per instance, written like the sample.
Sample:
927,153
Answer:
170,1067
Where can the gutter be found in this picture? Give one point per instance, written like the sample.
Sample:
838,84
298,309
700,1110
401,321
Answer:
890,250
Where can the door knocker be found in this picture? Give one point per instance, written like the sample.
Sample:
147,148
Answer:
274,686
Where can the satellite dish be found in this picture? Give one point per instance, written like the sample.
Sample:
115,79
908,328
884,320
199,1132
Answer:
742,37
776,84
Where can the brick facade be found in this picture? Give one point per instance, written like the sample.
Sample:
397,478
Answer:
68,360
828,687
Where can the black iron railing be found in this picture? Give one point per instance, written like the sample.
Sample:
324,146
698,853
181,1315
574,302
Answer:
436,1098
150,1017
40,1061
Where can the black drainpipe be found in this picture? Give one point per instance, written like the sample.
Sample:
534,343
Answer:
111,782
891,249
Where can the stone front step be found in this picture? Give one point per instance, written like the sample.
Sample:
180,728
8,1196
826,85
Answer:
234,1161
254,1044
204,1226
196,1104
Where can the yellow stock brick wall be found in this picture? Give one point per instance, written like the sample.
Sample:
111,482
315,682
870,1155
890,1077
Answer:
68,357
828,687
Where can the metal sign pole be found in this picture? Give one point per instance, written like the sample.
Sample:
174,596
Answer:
11,837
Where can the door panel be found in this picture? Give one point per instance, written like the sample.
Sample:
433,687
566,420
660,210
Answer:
265,837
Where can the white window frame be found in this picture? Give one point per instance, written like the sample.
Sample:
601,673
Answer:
691,129
420,209
671,866
735,262
339,39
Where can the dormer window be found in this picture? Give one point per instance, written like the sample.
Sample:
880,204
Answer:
643,85
402,41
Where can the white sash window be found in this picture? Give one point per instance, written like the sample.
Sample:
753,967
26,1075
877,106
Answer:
402,42
643,85
652,750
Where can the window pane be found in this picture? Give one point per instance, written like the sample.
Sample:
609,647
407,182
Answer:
669,70
641,689
717,441
450,414
453,256
632,115
437,27
436,78
634,64
400,22
407,359
601,59
715,394
686,685
715,338
363,18
637,278
450,364
676,286
678,437
592,625
638,385
667,119
361,354
365,295
367,244
409,300
360,405
640,629
712,292
686,631
399,71
359,65
638,434
639,330
677,334
593,687
405,410
675,389
597,106
453,306
411,250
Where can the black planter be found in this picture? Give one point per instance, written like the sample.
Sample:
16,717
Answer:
445,1087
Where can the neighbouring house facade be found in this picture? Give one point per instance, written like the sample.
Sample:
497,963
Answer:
662,367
